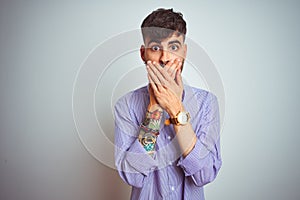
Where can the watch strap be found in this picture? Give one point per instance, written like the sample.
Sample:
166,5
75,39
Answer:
174,121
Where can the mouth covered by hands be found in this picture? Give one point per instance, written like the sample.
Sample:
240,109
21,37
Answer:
166,85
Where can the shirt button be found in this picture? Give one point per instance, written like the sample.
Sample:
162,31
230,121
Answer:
169,137
172,188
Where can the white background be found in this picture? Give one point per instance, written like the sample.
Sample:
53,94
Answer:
254,45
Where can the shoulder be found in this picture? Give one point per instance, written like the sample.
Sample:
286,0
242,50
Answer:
201,94
133,96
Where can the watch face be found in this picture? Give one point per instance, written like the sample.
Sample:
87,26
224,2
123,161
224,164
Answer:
183,118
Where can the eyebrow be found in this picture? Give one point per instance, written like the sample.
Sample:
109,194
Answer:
154,41
174,42
159,42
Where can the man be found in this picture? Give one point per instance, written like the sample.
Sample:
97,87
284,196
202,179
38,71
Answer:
166,133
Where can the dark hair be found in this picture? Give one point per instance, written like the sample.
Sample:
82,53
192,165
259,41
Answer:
162,23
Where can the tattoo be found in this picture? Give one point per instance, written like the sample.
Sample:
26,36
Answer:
149,130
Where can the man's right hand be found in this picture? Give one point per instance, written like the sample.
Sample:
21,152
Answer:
172,68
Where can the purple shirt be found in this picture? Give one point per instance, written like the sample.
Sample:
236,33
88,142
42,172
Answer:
168,175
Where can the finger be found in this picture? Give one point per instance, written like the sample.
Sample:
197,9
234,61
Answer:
152,72
150,79
179,78
169,65
154,77
175,66
173,69
166,75
160,73
152,84
178,63
154,87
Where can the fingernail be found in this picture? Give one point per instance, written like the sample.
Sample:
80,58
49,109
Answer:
148,62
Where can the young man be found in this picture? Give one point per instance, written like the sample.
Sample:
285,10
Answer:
166,133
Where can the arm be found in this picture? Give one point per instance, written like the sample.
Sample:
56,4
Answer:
168,93
133,140
199,145
203,163
149,129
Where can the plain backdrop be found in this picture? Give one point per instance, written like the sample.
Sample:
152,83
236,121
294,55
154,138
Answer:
254,44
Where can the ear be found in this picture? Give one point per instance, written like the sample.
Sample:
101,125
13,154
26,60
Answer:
185,50
142,53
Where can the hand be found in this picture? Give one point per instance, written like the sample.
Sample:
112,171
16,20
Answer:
172,67
166,84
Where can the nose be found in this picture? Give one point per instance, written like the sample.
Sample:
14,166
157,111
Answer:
165,57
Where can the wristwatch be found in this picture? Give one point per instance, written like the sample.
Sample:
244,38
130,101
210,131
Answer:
182,118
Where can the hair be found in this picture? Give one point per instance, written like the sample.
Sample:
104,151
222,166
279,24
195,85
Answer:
162,23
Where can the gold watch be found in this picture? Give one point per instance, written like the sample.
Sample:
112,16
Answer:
182,118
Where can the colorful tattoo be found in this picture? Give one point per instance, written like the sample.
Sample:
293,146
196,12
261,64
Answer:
149,130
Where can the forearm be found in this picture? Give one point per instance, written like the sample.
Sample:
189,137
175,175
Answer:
204,160
186,138
149,129
141,164
202,164
131,161
134,165
185,134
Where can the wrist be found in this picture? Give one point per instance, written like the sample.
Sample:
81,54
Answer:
154,106
175,110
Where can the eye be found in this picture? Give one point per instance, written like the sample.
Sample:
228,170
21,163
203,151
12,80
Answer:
155,48
174,47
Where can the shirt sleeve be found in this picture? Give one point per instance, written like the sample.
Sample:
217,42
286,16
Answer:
131,159
204,161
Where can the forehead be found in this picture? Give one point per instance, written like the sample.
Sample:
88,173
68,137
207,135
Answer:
165,41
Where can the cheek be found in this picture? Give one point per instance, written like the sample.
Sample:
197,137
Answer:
179,54
153,56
